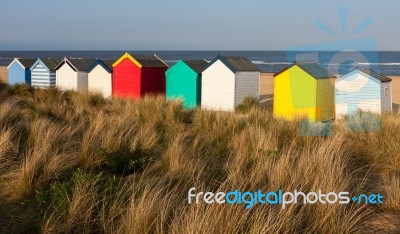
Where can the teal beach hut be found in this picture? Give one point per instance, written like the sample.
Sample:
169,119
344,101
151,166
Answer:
184,82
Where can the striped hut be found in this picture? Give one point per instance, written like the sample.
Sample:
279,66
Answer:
44,73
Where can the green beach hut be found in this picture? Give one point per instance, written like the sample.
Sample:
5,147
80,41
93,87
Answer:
184,82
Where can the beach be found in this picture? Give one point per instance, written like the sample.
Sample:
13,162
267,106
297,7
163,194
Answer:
395,93
266,90
3,73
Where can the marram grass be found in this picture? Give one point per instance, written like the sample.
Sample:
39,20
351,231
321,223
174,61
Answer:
79,163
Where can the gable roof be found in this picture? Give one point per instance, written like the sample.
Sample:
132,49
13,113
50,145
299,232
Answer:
50,63
106,64
197,65
82,64
77,64
25,63
142,60
126,56
313,69
150,61
235,63
382,78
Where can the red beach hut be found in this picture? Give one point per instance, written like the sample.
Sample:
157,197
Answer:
137,75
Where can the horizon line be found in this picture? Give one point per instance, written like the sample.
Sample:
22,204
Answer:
182,50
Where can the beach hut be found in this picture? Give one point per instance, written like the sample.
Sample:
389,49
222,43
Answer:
100,77
363,90
19,71
137,75
43,72
227,81
184,82
72,74
304,90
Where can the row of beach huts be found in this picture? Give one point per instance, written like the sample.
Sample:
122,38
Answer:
304,89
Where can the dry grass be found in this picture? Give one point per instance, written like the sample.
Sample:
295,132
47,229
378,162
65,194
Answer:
85,164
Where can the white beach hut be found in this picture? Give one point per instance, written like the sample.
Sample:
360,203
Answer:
100,77
71,74
363,90
227,81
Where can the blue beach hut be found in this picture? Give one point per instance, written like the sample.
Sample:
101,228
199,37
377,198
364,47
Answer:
19,71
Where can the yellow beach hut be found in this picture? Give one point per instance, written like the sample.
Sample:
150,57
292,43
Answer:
304,91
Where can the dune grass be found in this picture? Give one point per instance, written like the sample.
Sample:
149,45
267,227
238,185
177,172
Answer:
73,162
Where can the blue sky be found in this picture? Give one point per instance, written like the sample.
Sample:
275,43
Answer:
189,24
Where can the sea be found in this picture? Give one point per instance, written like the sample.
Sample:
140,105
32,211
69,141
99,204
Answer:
339,62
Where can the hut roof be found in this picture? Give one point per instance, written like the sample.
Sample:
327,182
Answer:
77,64
313,69
51,63
240,63
27,63
106,64
142,60
197,65
382,78
235,63
149,60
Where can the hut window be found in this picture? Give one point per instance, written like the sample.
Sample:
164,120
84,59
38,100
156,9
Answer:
386,91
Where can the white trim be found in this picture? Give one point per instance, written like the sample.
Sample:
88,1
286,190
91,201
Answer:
155,55
41,63
66,60
16,60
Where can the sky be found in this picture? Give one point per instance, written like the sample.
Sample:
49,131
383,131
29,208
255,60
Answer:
193,24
